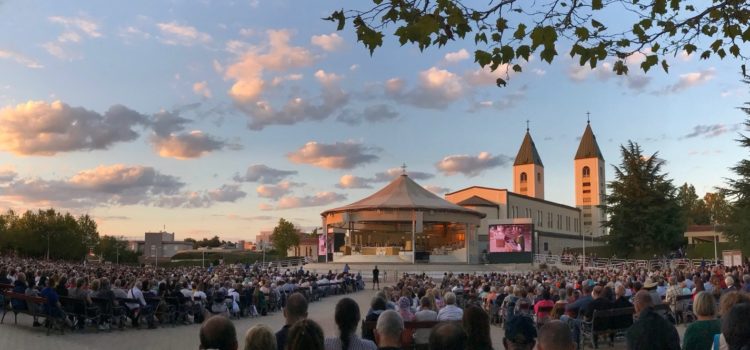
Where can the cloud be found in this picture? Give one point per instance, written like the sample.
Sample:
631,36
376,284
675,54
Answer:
276,191
709,131
116,184
20,59
470,166
247,71
512,99
76,29
7,174
339,155
264,174
128,33
170,141
437,189
436,89
41,128
457,56
201,89
351,181
278,57
226,193
485,76
689,80
373,114
328,42
173,33
635,80
320,198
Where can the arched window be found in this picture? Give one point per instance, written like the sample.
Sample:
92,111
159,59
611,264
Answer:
539,177
586,171
524,178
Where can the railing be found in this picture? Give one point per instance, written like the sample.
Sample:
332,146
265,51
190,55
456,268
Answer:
604,263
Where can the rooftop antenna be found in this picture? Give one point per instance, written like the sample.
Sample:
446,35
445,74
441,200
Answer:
403,169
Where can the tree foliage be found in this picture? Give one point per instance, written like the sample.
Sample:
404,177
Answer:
31,233
694,209
738,190
508,32
284,236
643,209
115,249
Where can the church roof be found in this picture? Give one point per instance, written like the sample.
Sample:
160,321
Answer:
476,201
588,148
527,154
405,194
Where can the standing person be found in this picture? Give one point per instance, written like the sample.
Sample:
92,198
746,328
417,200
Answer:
346,268
375,277
651,330
347,317
295,310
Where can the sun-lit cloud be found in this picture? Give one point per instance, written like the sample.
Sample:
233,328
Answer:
20,59
690,80
339,155
171,141
276,191
41,128
201,89
457,56
173,33
437,189
351,181
437,88
712,130
328,42
470,166
318,199
263,174
75,30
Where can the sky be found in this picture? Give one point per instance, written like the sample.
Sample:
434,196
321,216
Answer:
220,117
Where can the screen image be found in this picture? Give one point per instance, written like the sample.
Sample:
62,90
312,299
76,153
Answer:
510,238
322,247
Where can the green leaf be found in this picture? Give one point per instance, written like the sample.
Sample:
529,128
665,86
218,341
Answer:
665,66
650,61
582,33
596,23
483,58
716,45
337,16
596,4
734,50
501,82
523,51
520,32
507,53
706,54
689,48
655,47
516,68
501,24
620,67
721,53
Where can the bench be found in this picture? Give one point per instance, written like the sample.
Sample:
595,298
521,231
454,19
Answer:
605,322
34,307
80,310
407,337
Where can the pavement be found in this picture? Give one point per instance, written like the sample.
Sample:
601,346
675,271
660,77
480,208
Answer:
24,336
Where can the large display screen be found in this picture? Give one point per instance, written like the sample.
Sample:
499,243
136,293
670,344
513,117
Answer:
322,246
510,238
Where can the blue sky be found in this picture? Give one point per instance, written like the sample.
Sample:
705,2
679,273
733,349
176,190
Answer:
212,117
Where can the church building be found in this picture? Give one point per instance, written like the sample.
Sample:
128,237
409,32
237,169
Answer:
556,225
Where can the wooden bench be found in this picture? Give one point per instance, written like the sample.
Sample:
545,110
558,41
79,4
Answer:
605,322
407,337
34,307
79,309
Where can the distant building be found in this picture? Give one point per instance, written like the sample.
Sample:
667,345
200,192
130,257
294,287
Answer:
158,245
704,234
307,247
263,240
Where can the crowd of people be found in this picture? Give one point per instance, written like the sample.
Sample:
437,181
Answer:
123,295
544,309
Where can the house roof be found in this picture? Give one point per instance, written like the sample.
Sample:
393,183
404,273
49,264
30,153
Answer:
404,193
588,148
476,201
527,154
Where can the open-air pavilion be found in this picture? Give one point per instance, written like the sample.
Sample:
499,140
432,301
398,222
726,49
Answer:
403,222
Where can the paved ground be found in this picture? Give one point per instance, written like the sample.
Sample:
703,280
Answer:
23,336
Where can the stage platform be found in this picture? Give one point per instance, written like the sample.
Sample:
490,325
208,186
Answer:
436,271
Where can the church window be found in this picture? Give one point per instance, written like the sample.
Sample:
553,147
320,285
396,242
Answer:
539,177
586,191
524,178
587,184
586,171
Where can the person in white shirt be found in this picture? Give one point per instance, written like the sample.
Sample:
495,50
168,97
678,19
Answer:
450,312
